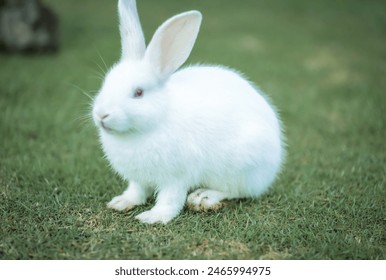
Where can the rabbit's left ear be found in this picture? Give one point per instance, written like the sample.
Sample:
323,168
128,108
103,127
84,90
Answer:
172,43
133,41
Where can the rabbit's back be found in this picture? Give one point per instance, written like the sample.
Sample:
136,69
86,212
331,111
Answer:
212,91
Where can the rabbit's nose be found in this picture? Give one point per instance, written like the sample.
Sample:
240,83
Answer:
104,116
103,119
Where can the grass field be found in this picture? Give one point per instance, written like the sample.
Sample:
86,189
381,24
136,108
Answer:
323,63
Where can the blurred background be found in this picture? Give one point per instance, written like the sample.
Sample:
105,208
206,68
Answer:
322,63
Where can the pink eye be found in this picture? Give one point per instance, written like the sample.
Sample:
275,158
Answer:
138,93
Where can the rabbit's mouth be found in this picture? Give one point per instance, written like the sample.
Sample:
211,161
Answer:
106,128
112,131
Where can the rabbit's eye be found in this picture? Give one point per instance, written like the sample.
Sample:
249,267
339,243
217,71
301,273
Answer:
138,93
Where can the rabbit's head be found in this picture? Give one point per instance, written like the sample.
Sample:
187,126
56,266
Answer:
133,96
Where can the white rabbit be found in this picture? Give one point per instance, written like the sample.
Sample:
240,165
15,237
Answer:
203,128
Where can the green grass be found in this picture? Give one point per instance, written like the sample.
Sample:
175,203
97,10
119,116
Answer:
323,63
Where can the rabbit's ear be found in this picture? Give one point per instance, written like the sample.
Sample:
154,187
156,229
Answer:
133,41
172,43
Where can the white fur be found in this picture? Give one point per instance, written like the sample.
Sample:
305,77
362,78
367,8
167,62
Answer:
203,126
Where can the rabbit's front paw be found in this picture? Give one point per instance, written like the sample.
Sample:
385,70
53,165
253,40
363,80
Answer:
152,217
120,203
204,200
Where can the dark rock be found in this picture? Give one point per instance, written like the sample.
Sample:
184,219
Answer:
27,26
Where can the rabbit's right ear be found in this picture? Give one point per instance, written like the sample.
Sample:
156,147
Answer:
133,41
172,43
